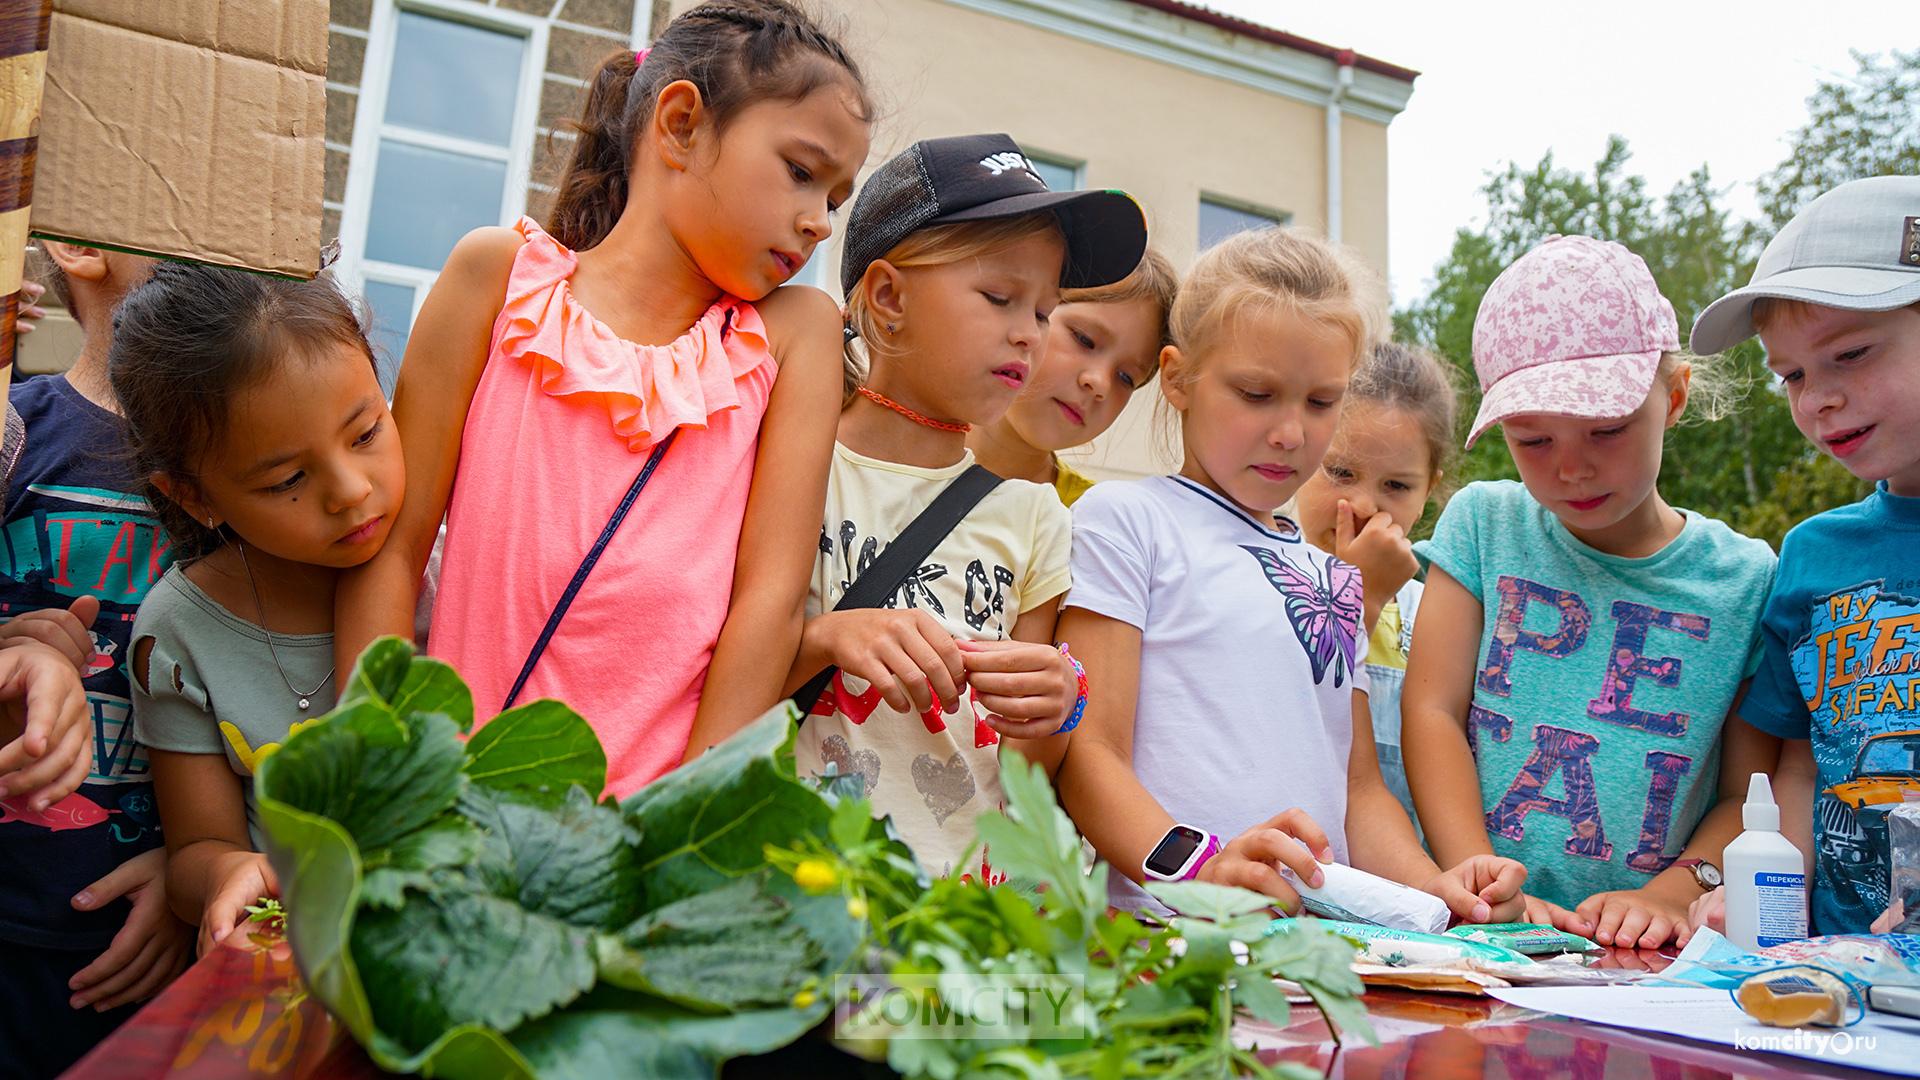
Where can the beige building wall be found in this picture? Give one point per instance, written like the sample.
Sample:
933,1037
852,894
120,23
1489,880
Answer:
1164,133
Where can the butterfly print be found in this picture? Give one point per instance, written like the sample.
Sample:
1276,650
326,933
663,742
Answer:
1326,612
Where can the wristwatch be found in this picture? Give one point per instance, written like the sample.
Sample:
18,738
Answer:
1705,873
1180,853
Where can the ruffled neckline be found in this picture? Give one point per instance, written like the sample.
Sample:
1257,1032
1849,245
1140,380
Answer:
645,390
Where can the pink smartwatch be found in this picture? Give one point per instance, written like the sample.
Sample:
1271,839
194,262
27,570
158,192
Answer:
1181,853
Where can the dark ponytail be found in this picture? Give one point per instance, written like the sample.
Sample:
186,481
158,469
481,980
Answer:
737,52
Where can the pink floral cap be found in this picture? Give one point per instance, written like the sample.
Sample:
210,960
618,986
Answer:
1574,327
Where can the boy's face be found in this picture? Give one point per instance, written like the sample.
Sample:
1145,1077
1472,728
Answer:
1853,380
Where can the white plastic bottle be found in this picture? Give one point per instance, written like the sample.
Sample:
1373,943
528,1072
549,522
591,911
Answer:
1766,876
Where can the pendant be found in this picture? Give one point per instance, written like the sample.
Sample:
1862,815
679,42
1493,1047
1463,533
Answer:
303,703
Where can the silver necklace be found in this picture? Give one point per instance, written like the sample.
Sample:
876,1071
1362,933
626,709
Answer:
261,611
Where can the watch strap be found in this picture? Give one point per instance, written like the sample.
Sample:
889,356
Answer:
1207,852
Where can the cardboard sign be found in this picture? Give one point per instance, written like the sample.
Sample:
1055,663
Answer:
186,129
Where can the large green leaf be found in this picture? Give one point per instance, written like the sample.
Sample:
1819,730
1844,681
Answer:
378,778
621,1033
379,672
718,951
575,861
711,820
449,841
542,748
466,958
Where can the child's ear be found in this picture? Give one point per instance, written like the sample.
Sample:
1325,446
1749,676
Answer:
186,493
1172,386
84,263
1679,384
886,290
677,116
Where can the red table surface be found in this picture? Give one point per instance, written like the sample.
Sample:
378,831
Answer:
242,1013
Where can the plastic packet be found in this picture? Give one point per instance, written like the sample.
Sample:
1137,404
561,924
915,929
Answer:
1532,939
1408,948
1355,896
1799,995
1861,959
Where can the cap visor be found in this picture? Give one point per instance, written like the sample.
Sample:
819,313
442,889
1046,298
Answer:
1729,320
1106,230
1591,388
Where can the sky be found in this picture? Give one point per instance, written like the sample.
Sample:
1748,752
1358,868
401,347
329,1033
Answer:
1686,82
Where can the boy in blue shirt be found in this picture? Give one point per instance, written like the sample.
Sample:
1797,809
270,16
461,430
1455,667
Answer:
1835,299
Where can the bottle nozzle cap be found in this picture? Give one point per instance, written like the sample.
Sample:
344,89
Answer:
1760,814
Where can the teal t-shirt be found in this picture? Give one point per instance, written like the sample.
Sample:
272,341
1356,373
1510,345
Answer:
1602,684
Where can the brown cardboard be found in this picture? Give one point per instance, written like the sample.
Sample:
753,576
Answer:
187,128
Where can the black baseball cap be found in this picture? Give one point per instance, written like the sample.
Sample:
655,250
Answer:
988,178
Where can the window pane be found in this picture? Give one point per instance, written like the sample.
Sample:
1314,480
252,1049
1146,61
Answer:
1058,177
1219,221
454,79
391,307
424,200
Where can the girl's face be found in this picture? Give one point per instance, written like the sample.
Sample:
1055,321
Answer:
309,467
1850,380
756,203
1379,463
1097,355
1593,474
972,332
1258,414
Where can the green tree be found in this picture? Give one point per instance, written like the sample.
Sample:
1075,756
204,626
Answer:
1868,125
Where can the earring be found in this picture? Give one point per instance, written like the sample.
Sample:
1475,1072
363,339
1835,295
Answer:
892,328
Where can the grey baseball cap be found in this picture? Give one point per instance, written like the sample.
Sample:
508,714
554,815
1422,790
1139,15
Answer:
1856,247
987,178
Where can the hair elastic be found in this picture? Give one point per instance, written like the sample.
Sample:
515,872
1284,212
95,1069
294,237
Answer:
640,55
1080,700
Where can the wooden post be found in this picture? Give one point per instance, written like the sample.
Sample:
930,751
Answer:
23,71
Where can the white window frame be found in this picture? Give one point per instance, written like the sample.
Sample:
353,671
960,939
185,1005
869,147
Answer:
369,128
1244,206
1077,166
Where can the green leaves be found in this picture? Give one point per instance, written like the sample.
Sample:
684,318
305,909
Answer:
472,910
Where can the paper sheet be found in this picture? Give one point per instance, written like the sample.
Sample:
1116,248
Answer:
1880,1042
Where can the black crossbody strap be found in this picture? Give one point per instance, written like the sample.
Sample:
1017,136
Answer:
586,567
904,556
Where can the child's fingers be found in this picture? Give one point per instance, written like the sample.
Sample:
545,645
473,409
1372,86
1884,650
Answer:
51,778
989,656
1258,877
118,980
942,684
1272,845
877,671
57,630
1016,684
1509,877
1343,528
1659,931
1462,901
118,954
166,964
114,885
1023,729
1634,922
1022,706
1300,825
1609,922
85,609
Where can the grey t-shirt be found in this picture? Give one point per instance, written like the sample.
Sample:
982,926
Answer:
212,687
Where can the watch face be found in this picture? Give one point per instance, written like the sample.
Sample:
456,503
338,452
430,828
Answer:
1709,875
1170,855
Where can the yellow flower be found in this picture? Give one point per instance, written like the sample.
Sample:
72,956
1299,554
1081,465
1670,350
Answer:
804,999
857,906
816,875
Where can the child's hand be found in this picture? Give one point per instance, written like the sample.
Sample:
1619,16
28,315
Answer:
1642,918
1253,859
1709,911
1535,910
905,654
152,946
44,702
1028,689
64,630
1379,547
1482,888
241,878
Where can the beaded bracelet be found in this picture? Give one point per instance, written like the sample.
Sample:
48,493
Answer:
1080,702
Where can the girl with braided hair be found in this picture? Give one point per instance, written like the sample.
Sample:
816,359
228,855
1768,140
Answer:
642,339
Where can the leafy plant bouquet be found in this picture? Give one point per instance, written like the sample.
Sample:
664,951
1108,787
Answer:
467,909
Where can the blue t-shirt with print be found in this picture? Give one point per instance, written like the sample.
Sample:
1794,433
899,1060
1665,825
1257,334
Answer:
1602,684
1842,668
76,526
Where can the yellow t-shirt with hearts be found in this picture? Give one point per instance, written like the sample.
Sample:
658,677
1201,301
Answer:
935,773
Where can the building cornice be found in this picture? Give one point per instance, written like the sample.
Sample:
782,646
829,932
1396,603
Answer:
1212,48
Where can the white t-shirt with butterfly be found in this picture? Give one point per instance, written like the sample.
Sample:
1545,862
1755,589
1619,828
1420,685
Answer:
1251,649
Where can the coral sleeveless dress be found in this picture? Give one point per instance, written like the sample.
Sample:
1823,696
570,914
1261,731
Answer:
565,415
